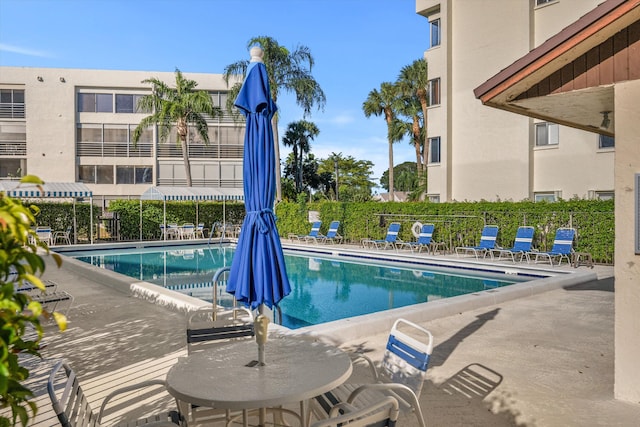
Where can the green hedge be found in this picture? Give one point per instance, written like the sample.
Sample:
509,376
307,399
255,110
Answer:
60,215
457,223
460,223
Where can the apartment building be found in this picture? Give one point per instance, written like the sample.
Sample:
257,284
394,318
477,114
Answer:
73,125
480,153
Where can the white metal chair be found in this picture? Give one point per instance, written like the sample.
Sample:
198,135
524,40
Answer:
207,328
313,234
391,239
199,232
401,374
73,410
44,234
486,246
63,236
383,413
188,231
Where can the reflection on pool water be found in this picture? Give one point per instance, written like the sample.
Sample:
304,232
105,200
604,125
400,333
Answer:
323,288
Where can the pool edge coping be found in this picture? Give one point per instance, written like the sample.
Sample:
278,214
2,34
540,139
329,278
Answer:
344,330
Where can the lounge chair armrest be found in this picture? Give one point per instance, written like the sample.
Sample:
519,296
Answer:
355,356
127,389
405,393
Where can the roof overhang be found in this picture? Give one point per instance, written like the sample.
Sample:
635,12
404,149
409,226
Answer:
564,60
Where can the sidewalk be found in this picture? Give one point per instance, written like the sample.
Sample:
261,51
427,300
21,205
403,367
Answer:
547,360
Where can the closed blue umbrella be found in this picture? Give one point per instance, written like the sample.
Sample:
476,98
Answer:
258,274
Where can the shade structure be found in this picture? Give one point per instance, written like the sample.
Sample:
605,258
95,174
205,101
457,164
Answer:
53,190
191,193
258,274
166,193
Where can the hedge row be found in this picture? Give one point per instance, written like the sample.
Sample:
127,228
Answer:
460,223
457,224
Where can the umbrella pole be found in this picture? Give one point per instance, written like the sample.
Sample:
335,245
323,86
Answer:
261,324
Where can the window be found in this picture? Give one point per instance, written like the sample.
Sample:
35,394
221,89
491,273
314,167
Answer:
95,103
541,2
434,27
434,198
133,174
433,87
547,134
605,141
12,168
434,150
128,103
104,103
603,195
546,197
95,174
11,103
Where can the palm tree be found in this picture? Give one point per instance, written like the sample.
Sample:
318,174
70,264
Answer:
181,107
289,71
385,102
410,108
412,81
298,136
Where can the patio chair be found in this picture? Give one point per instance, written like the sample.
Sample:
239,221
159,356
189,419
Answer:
487,243
400,375
50,298
188,231
425,240
63,236
173,231
207,328
383,413
391,240
199,231
315,232
72,408
562,248
45,235
522,245
332,234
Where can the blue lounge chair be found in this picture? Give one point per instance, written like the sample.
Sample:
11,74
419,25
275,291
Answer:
425,240
487,243
391,240
562,248
315,232
521,246
332,235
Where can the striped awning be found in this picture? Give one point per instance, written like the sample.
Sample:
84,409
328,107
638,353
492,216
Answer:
49,190
192,193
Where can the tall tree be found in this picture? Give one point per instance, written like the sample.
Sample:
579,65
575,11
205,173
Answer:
413,128
181,106
412,81
354,182
385,102
289,71
298,136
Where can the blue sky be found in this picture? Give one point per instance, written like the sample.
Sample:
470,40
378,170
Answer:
357,44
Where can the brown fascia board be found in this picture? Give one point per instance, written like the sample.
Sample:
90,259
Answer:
551,51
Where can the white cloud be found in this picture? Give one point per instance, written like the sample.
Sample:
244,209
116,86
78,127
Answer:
23,51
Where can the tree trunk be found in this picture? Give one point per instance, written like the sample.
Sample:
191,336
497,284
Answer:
391,184
185,156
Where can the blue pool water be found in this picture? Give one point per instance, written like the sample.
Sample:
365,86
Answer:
324,288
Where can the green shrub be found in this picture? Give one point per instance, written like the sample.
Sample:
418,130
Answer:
19,263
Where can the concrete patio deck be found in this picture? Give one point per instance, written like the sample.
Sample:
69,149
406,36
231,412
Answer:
545,360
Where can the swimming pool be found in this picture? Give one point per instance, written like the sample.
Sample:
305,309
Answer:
325,286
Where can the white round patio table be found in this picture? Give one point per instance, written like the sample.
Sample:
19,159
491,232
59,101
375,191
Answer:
228,377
